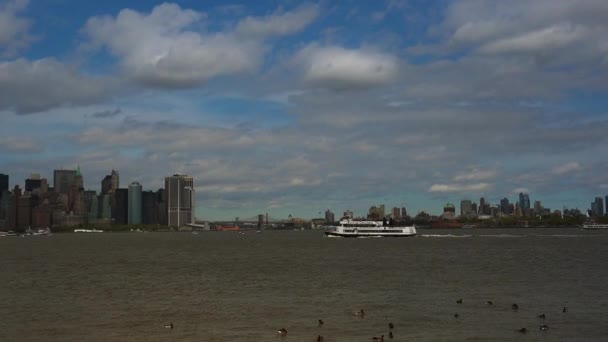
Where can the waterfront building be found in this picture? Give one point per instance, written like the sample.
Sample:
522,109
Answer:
466,208
504,206
597,207
162,211
120,210
180,200
396,214
12,211
149,207
33,183
41,216
403,213
474,207
449,212
110,183
3,183
538,208
135,203
329,216
63,180
524,201
104,210
376,213
606,203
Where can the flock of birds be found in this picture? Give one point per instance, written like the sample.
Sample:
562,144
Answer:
361,314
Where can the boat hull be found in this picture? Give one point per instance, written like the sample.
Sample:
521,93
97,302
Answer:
363,235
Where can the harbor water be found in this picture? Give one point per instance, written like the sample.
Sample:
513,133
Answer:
231,286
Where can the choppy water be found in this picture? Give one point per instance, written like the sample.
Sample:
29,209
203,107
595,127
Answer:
225,286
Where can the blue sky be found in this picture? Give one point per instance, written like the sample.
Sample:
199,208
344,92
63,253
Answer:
294,107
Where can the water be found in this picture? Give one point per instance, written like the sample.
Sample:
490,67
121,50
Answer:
225,286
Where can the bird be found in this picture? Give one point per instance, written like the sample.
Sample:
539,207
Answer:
565,309
515,307
489,302
456,315
390,334
319,338
544,327
378,339
391,326
282,332
541,316
459,301
169,326
321,322
360,313
523,330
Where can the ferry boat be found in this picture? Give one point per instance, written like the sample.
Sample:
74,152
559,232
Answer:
594,226
356,228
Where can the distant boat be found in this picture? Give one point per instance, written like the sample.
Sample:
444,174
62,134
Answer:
356,228
88,231
595,226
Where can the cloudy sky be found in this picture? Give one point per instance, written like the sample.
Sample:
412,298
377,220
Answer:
292,107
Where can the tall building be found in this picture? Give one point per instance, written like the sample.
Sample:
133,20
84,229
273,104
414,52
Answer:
524,201
466,208
110,183
63,180
474,207
538,208
504,206
606,203
120,211
348,214
403,212
149,207
32,183
376,213
396,213
135,203
3,183
597,207
329,216
449,212
180,200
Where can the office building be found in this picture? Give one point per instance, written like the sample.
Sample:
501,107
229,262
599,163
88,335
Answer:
329,216
110,183
3,183
149,207
180,200
396,213
449,212
120,211
33,183
504,206
597,207
135,203
466,208
524,202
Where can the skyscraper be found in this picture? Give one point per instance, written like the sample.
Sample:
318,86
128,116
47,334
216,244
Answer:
524,201
63,180
110,183
504,206
32,183
597,207
149,207
120,210
135,203
180,200
329,216
466,208
3,183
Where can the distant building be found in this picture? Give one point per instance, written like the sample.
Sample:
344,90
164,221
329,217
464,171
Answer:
376,213
466,208
449,212
538,208
3,183
63,180
110,183
104,209
348,214
396,213
597,207
403,213
329,216
524,201
149,210
120,210
135,203
606,203
33,183
180,200
504,206
474,207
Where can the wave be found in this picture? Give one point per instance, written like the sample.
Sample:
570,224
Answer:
446,235
503,235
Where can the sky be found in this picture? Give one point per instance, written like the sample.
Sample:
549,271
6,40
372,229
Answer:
296,107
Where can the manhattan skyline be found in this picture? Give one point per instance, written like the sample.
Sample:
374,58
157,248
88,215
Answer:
296,107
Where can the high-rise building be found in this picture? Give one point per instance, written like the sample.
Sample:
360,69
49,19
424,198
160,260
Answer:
348,214
64,180
120,210
606,203
376,213
110,183
396,214
329,216
32,183
3,183
597,207
104,210
135,203
149,207
466,208
449,211
524,201
474,207
403,213
538,208
504,206
180,200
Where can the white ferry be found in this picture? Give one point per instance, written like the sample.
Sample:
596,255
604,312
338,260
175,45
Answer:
356,228
594,226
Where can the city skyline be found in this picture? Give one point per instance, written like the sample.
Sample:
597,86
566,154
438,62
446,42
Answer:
294,108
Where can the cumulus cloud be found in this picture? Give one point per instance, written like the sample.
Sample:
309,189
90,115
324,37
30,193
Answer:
14,29
278,24
339,68
30,87
567,168
459,187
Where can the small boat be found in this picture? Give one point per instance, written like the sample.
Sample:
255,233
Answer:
595,226
88,231
362,228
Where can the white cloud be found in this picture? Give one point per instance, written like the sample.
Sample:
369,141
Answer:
476,174
278,24
459,187
567,168
520,190
29,87
554,37
162,48
13,28
340,68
